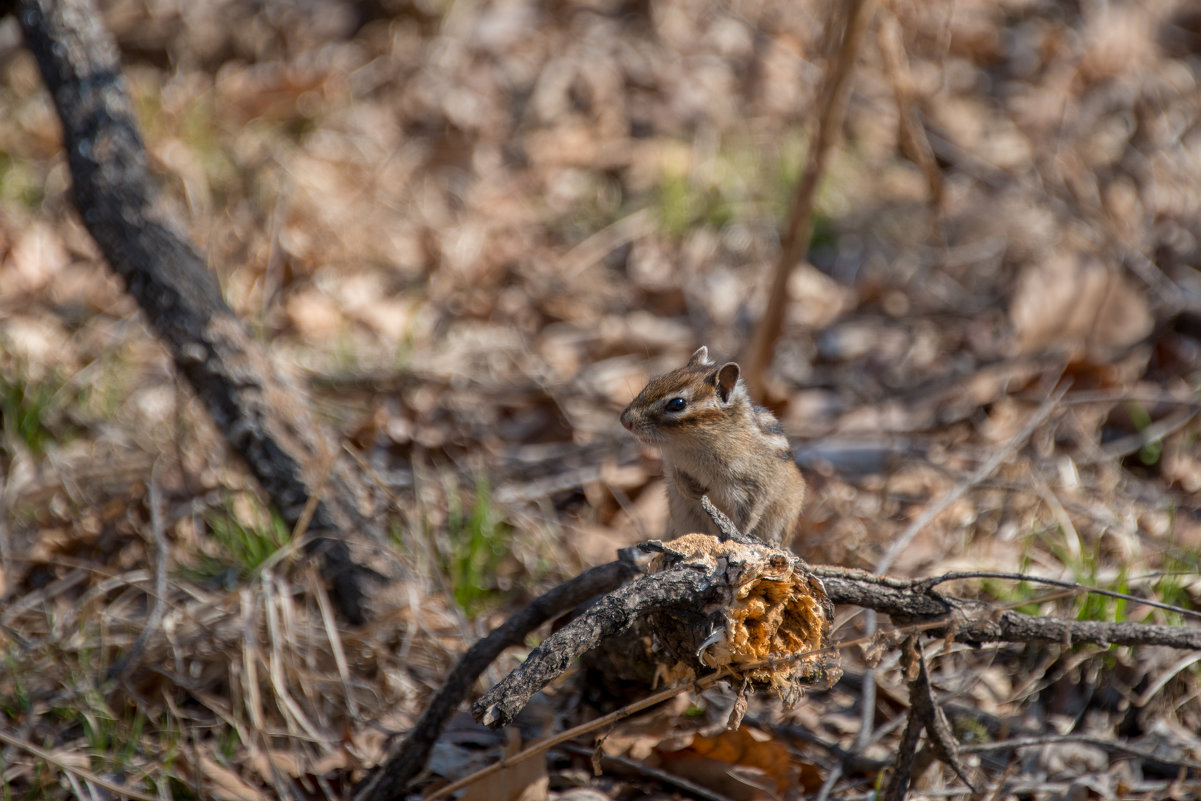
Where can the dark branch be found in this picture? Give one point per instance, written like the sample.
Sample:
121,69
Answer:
938,728
392,777
978,622
902,766
257,410
725,525
610,616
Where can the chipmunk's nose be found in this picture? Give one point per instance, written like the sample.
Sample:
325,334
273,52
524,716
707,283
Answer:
626,420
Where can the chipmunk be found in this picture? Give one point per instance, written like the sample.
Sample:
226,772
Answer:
716,442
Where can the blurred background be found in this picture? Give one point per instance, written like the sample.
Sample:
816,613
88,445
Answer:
475,229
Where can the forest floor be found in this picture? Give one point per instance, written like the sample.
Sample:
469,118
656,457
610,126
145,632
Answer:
475,229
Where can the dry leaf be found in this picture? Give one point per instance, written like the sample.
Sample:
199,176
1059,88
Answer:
1076,304
218,781
742,764
525,781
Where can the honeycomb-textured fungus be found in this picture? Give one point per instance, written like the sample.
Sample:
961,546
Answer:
771,610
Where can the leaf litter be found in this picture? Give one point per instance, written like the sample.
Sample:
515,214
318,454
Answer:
477,229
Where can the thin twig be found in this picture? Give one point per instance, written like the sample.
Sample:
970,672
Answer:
725,525
830,110
158,608
850,759
905,538
902,768
642,769
930,583
67,766
1085,739
1135,442
335,644
938,728
911,134
570,734
1146,695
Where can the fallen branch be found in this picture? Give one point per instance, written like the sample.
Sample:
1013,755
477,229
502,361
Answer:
607,618
391,778
979,622
259,411
702,589
902,766
913,604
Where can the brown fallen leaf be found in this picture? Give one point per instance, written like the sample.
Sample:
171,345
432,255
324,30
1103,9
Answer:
742,764
1076,304
525,781
218,781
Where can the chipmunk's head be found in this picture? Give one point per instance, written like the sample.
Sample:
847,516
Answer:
685,404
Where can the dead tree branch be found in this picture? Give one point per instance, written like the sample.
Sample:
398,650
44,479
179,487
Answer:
686,586
608,617
391,778
689,585
257,409
902,766
978,622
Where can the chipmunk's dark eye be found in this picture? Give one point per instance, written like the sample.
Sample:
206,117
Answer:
675,405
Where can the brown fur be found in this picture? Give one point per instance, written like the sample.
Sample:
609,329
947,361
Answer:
720,445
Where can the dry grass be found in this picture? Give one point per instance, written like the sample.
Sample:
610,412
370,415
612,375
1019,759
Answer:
476,228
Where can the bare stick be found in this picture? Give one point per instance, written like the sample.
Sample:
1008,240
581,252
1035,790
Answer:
905,538
254,406
938,728
391,778
544,745
902,766
69,767
911,134
668,778
158,607
725,525
963,620
925,584
831,107
966,621
977,622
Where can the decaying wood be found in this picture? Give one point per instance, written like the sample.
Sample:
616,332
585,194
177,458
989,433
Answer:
258,410
690,584
608,617
911,604
700,596
687,579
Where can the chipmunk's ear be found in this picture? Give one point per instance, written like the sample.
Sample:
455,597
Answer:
701,357
727,381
